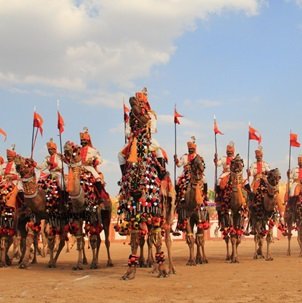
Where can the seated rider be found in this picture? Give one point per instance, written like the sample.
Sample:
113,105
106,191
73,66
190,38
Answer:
91,159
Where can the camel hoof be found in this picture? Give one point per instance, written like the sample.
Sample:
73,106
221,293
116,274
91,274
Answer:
269,259
85,262
77,267
51,265
22,266
93,266
191,263
109,263
163,274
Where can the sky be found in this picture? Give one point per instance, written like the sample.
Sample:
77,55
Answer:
239,60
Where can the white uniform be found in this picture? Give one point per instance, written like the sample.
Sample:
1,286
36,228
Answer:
91,159
294,180
9,169
53,163
184,160
254,168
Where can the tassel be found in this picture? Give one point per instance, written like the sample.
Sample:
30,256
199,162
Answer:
11,198
70,181
198,195
133,151
240,196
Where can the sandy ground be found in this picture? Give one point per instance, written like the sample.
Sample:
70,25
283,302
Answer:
218,281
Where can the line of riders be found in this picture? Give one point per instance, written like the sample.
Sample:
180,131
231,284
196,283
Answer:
77,203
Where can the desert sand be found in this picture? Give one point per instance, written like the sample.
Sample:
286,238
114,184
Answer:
218,281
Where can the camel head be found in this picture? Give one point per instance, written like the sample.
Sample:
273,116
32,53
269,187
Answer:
273,177
237,165
25,166
72,152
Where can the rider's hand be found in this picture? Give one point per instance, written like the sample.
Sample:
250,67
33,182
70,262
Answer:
215,159
175,159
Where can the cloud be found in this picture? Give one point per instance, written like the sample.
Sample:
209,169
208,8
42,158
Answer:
102,45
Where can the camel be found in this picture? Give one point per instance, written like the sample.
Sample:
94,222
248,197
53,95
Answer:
265,211
231,208
86,210
192,212
293,219
141,204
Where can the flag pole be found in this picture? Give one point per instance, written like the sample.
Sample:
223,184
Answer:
248,154
216,155
61,151
175,147
124,120
32,136
289,166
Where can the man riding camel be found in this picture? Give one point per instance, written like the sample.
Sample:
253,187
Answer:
258,169
91,159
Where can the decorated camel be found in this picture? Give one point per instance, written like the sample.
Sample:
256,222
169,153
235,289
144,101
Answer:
265,212
40,203
146,195
293,217
87,210
231,208
191,207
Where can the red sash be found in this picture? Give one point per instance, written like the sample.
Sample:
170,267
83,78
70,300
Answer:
259,167
228,160
300,173
84,151
191,157
52,162
8,167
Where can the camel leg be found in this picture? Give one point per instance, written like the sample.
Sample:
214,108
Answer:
141,259
3,244
133,258
235,240
299,239
150,258
60,247
51,246
168,242
106,219
289,236
29,240
190,241
159,265
268,242
80,247
94,242
200,243
227,243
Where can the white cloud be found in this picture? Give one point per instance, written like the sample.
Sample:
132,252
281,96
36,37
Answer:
102,45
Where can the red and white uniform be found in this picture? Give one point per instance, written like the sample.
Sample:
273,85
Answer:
295,178
91,159
8,169
259,168
53,163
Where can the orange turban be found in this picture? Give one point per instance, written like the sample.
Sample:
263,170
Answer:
191,145
1,160
10,153
259,151
51,144
85,136
230,147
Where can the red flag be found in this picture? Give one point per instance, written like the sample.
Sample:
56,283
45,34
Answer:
176,116
293,139
3,133
60,123
38,122
254,134
216,129
126,111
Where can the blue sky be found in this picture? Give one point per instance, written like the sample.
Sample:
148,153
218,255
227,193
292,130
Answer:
237,59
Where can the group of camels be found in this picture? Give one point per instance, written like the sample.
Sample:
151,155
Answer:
148,204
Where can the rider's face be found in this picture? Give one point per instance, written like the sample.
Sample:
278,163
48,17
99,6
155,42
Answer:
84,142
191,150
